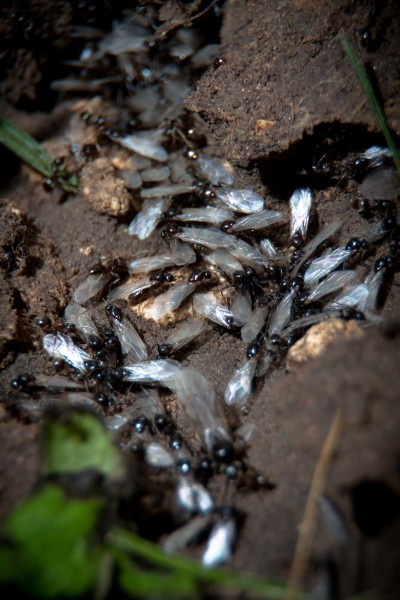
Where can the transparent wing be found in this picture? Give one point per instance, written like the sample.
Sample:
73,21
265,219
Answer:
216,170
90,287
170,300
185,333
205,215
62,346
300,206
220,544
334,282
258,220
161,191
146,143
132,287
224,261
282,314
152,371
131,342
254,324
321,267
207,306
244,201
77,315
209,237
148,218
238,389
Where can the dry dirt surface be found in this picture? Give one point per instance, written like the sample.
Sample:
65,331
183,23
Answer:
283,98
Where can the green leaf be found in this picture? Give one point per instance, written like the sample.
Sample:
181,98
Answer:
78,441
49,552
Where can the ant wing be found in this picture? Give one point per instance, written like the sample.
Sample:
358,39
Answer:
254,324
238,389
220,544
148,218
62,346
131,342
146,144
78,315
281,316
170,300
205,215
152,371
209,237
320,267
184,334
334,282
207,306
216,170
90,287
300,206
132,287
258,220
244,201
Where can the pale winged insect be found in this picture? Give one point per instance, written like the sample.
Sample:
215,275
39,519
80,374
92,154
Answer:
204,215
91,287
196,395
171,299
148,218
207,306
282,314
321,267
131,343
220,543
193,497
238,390
181,336
300,206
333,282
152,371
78,316
255,323
259,220
62,347
243,201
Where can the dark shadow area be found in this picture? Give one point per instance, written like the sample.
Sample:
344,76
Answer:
312,162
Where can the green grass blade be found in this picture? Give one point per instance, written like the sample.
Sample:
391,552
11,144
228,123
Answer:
33,154
372,99
126,541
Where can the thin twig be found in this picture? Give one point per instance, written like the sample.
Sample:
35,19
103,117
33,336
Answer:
182,22
308,523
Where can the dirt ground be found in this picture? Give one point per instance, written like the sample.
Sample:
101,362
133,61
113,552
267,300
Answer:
283,99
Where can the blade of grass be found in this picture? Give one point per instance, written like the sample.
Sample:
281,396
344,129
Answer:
369,91
33,154
243,582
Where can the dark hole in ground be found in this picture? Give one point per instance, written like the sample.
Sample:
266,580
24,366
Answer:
312,161
375,506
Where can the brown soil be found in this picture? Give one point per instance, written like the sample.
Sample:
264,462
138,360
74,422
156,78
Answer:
285,75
